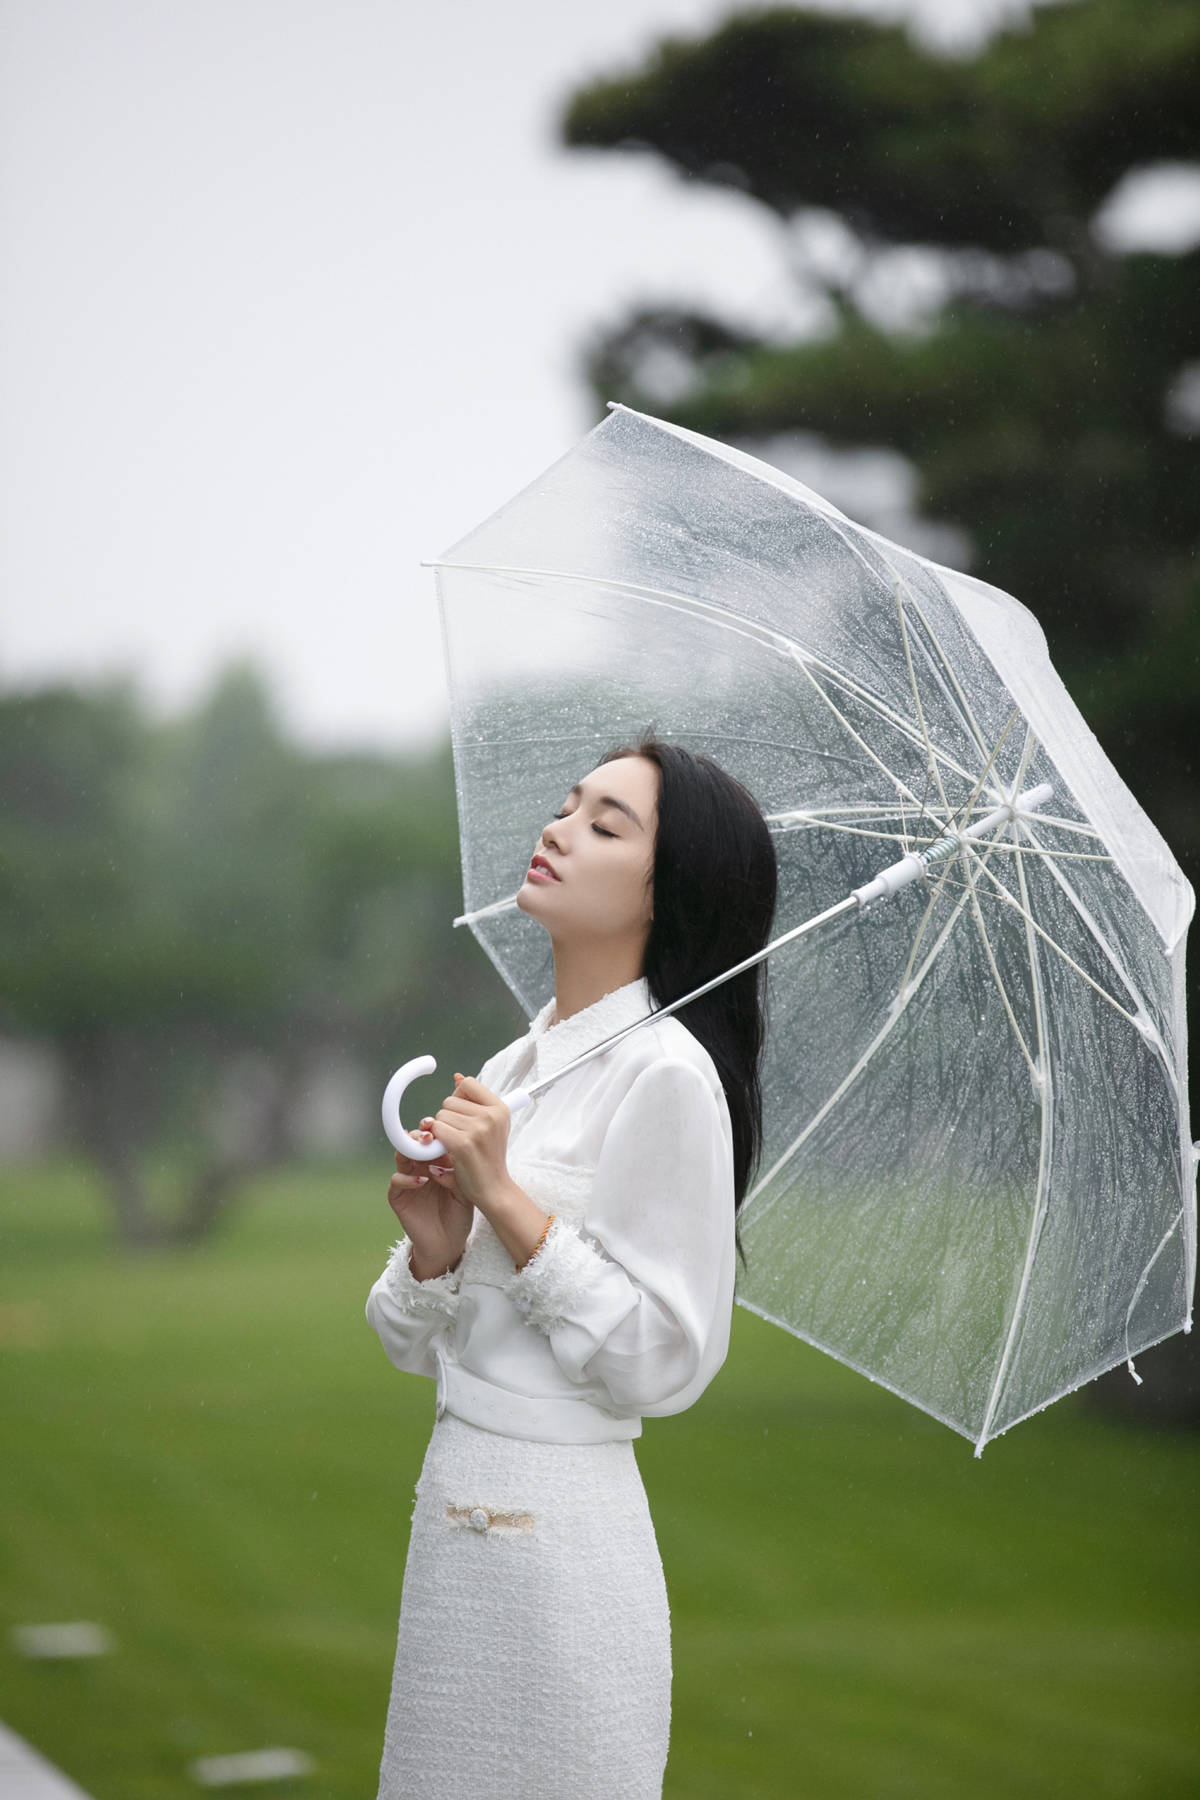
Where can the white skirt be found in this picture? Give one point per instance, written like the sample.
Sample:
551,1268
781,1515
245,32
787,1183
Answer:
534,1658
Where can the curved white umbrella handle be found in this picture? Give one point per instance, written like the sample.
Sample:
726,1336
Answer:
393,1094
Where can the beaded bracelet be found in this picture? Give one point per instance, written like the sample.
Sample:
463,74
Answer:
540,1242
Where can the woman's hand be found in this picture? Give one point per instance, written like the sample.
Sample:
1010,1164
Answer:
435,1201
435,1215
473,1124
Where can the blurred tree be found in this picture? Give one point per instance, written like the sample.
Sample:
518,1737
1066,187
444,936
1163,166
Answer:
194,913
1047,391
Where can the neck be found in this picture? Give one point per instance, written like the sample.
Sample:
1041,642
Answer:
584,974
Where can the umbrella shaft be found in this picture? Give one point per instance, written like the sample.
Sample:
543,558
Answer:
918,863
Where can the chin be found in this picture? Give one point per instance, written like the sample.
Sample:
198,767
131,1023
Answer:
526,896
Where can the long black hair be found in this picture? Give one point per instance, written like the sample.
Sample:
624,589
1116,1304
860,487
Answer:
715,878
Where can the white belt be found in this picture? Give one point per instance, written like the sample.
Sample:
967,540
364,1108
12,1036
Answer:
553,1419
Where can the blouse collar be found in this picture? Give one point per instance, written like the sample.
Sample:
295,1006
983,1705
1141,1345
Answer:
557,1045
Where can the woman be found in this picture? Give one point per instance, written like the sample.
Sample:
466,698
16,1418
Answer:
561,1276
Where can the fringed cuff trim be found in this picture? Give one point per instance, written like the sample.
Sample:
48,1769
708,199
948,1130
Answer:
554,1283
438,1295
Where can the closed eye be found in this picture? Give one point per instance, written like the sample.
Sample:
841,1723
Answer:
599,828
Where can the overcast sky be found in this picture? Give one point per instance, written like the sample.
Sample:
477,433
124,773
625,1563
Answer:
294,293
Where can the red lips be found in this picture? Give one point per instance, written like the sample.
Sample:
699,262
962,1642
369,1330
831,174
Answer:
540,862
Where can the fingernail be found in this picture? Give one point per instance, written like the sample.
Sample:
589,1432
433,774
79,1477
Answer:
421,1179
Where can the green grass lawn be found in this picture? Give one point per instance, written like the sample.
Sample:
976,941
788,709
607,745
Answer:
208,1453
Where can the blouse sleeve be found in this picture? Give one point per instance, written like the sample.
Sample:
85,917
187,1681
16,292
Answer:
641,1305
409,1314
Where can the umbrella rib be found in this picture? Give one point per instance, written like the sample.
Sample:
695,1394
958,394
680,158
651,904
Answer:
1002,893
730,737
1026,758
877,809
908,837
900,786
1143,1019
987,767
484,912
710,737
887,837
1045,1092
898,1008
996,976
1040,851
1143,1278
889,716
763,634
856,551
935,896
920,933
931,768
947,665
1074,825
815,821
912,681
874,809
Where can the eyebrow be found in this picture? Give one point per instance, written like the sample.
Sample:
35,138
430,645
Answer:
611,800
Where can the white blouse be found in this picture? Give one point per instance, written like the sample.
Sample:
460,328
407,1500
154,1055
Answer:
625,1309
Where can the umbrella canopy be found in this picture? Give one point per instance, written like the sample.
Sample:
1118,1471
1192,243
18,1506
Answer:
978,1182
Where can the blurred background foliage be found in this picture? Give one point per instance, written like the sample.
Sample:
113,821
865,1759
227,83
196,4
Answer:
198,914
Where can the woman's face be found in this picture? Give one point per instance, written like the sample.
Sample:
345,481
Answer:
601,849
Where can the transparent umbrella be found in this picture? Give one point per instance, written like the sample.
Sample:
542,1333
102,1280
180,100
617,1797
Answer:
978,1182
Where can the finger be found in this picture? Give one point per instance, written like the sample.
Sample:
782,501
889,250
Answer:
469,1089
401,1184
402,1159
464,1101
